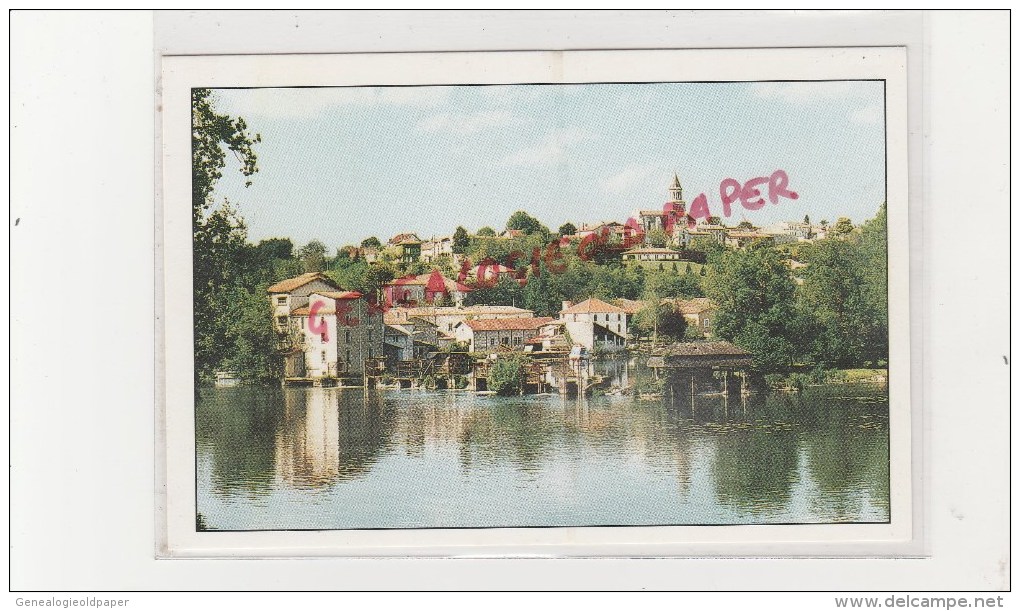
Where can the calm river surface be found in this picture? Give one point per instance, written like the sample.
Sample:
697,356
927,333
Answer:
323,458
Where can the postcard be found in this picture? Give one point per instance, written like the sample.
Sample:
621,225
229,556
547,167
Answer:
570,303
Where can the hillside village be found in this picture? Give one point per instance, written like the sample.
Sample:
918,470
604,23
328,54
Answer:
452,302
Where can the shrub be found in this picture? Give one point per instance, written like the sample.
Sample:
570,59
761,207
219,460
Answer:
507,375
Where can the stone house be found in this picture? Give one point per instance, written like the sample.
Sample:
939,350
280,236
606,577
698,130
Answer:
595,323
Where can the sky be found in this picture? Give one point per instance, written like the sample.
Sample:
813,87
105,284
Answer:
341,164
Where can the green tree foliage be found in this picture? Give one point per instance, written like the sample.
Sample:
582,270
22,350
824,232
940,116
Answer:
508,373
755,293
461,241
371,242
523,221
249,331
842,227
276,248
567,229
486,232
661,320
745,225
219,233
313,256
709,247
504,291
714,220
212,136
844,291
668,285
657,237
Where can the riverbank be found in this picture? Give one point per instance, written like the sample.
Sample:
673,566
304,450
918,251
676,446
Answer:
818,377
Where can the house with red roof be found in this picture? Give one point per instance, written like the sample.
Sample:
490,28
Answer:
332,331
593,323
425,289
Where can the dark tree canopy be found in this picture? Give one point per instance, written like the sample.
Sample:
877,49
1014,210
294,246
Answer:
277,248
461,241
372,242
487,232
523,221
567,229
313,256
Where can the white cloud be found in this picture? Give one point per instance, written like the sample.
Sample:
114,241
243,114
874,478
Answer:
307,102
466,124
804,93
634,176
552,149
869,115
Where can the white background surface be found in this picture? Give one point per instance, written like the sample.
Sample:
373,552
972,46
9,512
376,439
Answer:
82,299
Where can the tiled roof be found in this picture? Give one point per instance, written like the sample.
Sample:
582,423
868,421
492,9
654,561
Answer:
507,324
404,237
593,306
694,306
288,285
630,306
476,310
425,279
340,294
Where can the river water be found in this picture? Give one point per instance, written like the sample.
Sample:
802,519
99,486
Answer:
325,458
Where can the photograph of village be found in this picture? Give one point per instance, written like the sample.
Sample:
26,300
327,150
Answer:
540,306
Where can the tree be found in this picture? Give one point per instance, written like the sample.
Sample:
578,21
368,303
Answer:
755,292
254,344
523,221
486,232
276,248
842,227
657,237
212,135
714,220
313,256
507,374
745,225
219,233
709,247
567,229
807,220
836,293
372,242
461,241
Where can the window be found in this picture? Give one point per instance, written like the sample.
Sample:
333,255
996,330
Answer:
518,341
492,341
281,300
323,357
281,320
705,323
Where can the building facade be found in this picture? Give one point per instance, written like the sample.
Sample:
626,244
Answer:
593,323
339,330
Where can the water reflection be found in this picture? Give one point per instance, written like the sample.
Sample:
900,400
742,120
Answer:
236,427
329,435
816,456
